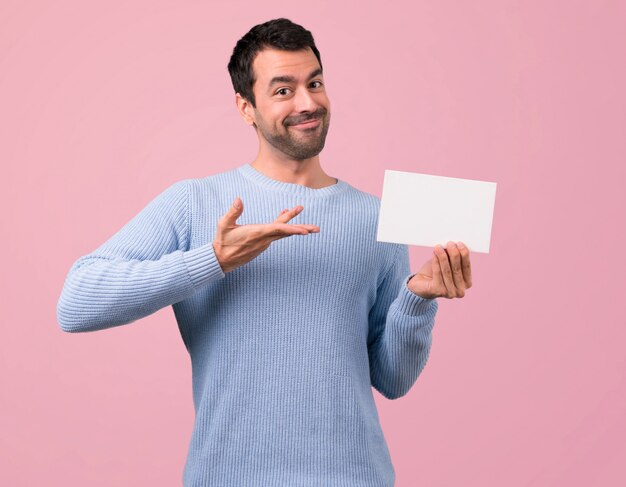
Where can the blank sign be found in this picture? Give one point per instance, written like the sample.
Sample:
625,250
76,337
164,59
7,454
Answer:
426,210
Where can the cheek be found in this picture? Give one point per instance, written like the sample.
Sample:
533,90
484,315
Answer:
325,102
280,116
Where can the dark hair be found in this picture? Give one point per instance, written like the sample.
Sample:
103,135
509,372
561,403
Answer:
278,34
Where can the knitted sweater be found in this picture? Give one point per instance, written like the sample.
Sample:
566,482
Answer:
284,349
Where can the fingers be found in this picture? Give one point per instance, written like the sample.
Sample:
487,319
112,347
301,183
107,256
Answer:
281,230
465,264
287,215
451,268
454,257
438,283
446,271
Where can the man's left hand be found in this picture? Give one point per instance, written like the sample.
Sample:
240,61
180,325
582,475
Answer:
447,274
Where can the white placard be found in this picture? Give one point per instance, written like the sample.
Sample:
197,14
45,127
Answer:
426,210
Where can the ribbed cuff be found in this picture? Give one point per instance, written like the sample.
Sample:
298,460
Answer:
412,304
203,265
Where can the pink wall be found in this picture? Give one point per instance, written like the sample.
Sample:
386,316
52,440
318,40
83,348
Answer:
101,107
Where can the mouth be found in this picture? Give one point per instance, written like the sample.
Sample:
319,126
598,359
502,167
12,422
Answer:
308,124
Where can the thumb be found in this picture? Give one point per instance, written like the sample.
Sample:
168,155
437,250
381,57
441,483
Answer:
234,212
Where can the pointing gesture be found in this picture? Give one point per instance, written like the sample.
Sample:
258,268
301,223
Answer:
448,274
236,245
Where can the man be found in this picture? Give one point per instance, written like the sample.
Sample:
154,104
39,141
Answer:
287,336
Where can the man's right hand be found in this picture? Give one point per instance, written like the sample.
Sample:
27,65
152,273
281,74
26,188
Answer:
236,245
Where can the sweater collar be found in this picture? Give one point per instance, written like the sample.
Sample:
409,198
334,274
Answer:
298,189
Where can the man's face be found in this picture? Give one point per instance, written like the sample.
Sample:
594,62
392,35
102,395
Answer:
289,89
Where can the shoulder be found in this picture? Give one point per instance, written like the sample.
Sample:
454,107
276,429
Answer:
367,204
209,188
370,208
216,180
366,211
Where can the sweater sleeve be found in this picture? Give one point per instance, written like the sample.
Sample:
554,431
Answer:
400,330
142,268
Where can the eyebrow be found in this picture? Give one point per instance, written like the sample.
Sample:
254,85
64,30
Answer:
291,79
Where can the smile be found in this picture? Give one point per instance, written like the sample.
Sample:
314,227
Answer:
309,124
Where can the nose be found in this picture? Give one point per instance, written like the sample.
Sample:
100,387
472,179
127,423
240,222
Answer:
304,101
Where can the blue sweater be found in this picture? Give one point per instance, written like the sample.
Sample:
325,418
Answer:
284,349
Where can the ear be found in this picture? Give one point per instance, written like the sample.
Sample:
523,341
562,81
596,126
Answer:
245,109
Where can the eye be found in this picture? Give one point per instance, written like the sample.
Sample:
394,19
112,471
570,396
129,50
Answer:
282,89
320,83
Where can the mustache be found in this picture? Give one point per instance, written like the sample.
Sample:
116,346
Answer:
318,115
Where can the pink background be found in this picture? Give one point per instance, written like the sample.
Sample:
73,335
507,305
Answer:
104,104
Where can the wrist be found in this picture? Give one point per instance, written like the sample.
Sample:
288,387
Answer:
220,260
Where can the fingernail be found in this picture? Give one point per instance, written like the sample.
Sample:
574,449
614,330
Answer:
460,244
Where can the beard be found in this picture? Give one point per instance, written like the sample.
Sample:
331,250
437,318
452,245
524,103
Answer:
295,143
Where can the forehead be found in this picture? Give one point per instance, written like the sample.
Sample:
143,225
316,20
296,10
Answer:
269,63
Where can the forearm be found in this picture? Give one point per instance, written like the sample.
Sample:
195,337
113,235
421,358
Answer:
401,351
102,292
